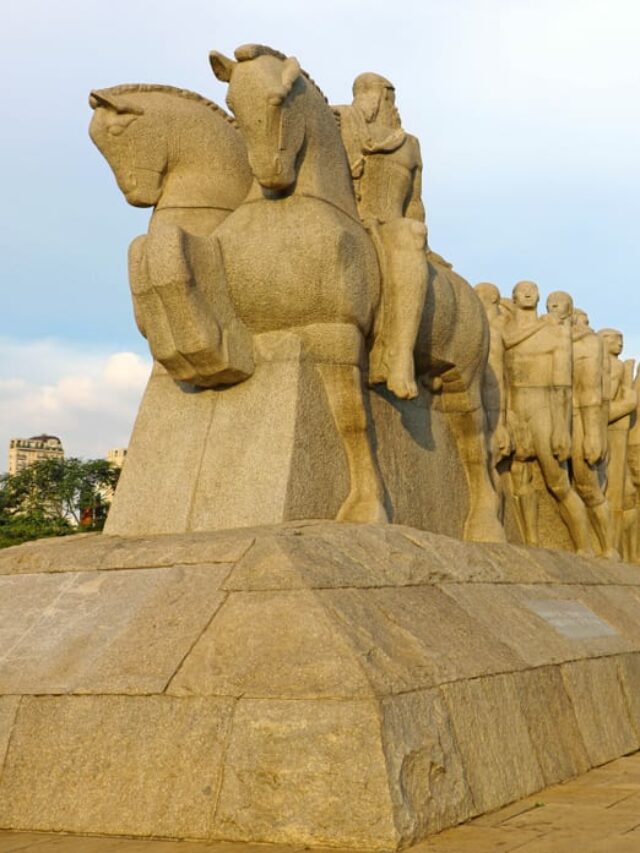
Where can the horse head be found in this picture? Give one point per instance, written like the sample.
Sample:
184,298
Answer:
132,143
266,96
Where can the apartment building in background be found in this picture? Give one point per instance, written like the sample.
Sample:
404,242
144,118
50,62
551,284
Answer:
25,451
117,456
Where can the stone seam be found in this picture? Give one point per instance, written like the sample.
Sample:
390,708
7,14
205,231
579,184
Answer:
563,666
624,688
198,471
577,729
216,610
5,755
331,697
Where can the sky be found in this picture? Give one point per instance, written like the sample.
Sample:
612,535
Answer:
528,114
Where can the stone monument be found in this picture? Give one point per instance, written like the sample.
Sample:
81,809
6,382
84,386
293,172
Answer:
281,635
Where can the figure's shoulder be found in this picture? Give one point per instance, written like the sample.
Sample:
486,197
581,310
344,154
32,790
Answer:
413,144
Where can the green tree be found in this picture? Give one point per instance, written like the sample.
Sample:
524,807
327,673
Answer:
55,497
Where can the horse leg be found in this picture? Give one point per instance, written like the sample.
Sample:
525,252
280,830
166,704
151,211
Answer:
460,401
343,386
337,351
149,312
187,275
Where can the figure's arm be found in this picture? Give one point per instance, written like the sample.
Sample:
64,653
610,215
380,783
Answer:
414,208
561,401
626,399
502,437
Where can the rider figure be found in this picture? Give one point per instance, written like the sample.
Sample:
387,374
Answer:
386,168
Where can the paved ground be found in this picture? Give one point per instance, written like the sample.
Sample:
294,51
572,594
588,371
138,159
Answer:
597,813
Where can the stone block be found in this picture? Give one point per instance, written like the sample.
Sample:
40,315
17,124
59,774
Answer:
306,773
552,724
272,644
397,635
493,738
102,632
8,711
121,765
600,708
427,778
629,674
90,552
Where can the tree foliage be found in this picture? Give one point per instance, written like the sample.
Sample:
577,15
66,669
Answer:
55,497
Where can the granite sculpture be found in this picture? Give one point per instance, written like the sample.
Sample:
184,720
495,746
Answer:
323,267
308,682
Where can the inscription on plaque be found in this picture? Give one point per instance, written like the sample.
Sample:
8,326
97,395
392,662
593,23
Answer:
572,619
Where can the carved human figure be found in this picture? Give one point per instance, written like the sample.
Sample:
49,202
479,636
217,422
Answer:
538,355
587,440
494,397
622,400
386,168
633,463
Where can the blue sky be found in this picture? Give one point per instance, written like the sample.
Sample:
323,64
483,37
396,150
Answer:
527,111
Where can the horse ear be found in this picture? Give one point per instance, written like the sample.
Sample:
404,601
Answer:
222,66
99,99
290,73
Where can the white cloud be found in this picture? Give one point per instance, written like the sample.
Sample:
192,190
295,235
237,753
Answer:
87,397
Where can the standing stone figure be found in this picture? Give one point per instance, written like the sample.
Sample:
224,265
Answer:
386,168
494,397
633,464
538,354
587,440
622,401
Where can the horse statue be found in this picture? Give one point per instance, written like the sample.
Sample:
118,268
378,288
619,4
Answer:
190,164
301,196
294,256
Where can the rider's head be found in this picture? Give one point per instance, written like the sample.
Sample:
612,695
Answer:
370,91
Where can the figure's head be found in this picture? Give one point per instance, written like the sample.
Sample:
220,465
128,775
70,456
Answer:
526,295
489,295
613,340
560,305
264,94
370,91
580,318
133,144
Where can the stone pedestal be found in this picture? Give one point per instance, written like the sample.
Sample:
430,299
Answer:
315,684
267,451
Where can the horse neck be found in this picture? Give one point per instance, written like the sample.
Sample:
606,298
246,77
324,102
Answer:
324,170
206,165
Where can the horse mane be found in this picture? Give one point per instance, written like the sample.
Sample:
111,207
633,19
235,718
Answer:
252,51
132,88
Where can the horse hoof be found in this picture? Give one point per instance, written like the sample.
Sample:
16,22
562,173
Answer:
363,511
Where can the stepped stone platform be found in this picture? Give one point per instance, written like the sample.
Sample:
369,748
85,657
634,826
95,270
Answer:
312,684
599,812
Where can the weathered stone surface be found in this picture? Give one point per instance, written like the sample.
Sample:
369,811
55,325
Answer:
90,552
600,708
306,773
629,674
556,738
8,711
493,738
426,772
388,682
117,765
398,634
272,644
102,632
